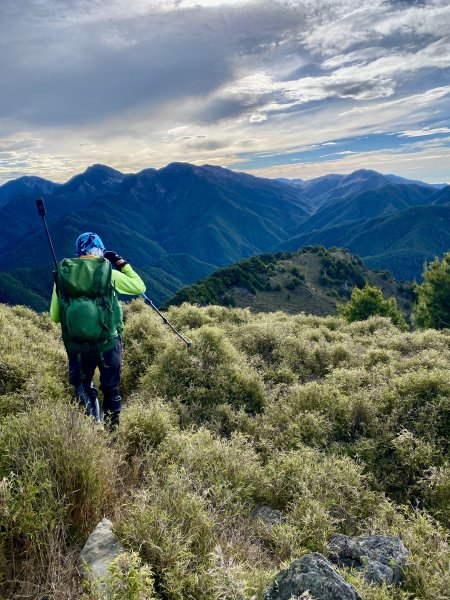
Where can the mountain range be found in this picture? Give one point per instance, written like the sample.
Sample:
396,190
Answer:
180,223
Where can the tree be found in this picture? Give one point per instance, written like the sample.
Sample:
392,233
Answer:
433,305
369,301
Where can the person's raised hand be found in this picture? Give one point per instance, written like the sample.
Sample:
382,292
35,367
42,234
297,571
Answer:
115,259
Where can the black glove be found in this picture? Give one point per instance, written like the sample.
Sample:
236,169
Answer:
115,259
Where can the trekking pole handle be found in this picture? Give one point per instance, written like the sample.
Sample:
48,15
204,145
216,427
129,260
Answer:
41,210
41,207
166,321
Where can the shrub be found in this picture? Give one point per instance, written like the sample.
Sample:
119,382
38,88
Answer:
211,372
145,422
33,364
369,301
398,461
420,403
435,492
169,526
189,316
336,482
427,575
306,527
292,283
145,338
229,471
128,579
258,339
225,578
309,414
58,475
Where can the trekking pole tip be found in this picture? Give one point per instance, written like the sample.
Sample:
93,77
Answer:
189,344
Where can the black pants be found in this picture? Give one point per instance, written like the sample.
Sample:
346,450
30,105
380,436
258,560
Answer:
81,373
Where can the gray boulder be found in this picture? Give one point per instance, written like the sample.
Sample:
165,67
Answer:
314,574
100,550
381,558
269,516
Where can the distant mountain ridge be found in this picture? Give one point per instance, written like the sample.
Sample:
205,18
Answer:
25,186
176,224
180,223
335,180
322,190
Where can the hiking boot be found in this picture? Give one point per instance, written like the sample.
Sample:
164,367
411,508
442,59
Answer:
112,405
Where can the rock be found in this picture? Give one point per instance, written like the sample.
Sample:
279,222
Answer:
100,550
312,573
270,516
381,558
376,573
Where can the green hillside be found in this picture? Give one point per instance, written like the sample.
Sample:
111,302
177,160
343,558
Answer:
399,242
342,428
15,292
312,280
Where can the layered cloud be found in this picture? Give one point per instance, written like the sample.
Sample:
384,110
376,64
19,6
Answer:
241,83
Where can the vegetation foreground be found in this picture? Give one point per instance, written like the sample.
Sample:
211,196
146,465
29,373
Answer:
344,428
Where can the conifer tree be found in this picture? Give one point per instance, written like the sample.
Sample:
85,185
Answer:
369,301
433,305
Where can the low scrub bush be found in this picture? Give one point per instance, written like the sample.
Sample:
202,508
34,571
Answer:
128,579
338,483
434,489
169,525
311,414
225,578
427,574
420,402
192,317
58,477
211,372
145,422
32,362
229,471
146,337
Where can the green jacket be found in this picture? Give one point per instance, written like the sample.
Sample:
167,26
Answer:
126,281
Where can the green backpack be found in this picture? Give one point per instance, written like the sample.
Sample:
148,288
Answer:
90,314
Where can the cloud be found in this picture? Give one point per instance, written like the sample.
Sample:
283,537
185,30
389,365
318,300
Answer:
77,63
428,165
136,83
379,24
424,132
20,144
428,98
343,153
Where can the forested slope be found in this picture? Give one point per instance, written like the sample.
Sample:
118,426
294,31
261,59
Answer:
313,280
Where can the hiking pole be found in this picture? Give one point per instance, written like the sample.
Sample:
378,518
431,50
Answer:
41,210
166,321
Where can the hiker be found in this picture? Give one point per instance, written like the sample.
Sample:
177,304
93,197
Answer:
84,301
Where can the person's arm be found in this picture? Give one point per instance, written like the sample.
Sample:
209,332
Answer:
127,281
54,307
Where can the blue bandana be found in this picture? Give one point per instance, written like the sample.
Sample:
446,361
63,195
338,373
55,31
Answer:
86,242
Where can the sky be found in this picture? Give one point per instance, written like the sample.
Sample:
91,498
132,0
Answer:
277,88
